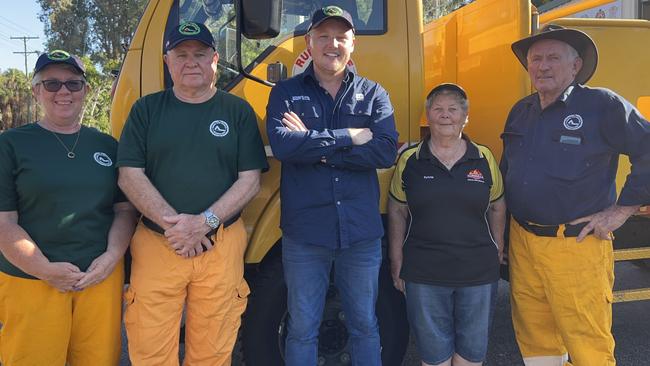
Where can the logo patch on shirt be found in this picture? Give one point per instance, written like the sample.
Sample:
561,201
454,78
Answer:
428,177
475,175
300,97
573,122
102,159
358,97
219,128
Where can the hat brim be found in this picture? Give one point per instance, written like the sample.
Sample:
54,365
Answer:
340,17
66,62
580,41
173,45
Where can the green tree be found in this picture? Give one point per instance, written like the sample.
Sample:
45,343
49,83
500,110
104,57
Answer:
15,95
434,9
67,25
99,31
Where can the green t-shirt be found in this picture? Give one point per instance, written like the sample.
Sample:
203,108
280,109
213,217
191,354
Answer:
191,153
65,205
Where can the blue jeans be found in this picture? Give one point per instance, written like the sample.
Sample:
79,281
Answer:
448,320
307,274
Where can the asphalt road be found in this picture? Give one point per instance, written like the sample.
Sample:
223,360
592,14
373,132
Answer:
631,326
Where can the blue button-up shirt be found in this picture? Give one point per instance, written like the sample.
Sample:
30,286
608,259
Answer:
560,163
329,189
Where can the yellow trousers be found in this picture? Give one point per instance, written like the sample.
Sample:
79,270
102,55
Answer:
211,286
42,326
561,294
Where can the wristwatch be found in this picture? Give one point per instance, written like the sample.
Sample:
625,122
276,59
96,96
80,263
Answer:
211,219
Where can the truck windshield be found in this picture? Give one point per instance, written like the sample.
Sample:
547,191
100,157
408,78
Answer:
219,15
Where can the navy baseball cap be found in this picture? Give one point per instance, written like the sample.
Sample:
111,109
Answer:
59,57
448,87
189,31
329,12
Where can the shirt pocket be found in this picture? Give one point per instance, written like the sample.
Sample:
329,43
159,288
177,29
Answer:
310,113
513,144
572,156
355,115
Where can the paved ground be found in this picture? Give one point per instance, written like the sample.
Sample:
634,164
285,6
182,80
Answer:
631,326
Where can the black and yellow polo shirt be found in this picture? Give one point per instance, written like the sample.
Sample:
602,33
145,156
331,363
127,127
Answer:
448,242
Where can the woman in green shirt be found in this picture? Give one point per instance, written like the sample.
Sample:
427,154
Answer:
65,227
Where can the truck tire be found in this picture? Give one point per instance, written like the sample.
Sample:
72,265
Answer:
264,328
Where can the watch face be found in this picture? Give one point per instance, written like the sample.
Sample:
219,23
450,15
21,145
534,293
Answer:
211,220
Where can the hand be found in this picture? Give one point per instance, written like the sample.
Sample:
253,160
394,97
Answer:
98,270
360,135
61,275
292,122
395,268
187,234
604,222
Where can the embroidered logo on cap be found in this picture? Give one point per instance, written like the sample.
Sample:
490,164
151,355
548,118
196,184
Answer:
58,55
189,29
475,175
102,159
332,10
573,122
219,128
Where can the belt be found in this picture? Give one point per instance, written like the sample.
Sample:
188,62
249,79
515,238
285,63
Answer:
153,226
552,231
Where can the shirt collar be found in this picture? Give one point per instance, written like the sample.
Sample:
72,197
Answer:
472,152
564,98
309,73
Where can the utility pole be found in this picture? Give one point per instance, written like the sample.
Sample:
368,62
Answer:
25,53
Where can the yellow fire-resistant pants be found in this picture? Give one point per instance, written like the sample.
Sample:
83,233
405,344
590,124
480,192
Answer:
561,294
211,286
42,326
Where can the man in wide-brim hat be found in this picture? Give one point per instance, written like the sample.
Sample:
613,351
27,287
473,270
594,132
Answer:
561,148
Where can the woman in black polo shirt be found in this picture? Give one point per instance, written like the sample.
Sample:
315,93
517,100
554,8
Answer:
64,227
446,223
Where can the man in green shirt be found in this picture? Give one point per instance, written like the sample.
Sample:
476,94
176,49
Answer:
190,159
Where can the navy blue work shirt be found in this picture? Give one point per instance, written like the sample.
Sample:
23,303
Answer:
560,163
329,189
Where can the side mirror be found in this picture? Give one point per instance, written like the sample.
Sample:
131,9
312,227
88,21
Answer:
260,19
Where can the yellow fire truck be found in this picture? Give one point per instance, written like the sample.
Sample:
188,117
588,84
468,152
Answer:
261,41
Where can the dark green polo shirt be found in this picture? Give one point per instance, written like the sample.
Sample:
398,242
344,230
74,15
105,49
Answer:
65,205
192,153
448,242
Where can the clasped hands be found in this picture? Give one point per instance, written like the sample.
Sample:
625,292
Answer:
187,234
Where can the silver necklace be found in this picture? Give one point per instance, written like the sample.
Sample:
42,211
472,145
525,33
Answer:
452,159
71,154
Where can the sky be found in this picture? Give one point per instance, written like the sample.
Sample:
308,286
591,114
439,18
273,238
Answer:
19,18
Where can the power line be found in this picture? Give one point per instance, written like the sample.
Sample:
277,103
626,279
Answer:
14,25
25,53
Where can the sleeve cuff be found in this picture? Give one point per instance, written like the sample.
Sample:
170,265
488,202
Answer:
342,137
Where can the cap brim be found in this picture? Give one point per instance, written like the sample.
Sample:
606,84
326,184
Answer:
315,25
579,40
448,86
65,62
173,45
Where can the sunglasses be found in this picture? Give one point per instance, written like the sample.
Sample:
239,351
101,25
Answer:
54,86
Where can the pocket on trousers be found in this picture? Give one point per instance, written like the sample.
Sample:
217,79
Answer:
239,303
130,311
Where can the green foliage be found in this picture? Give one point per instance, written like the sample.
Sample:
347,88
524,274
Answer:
434,9
15,97
98,31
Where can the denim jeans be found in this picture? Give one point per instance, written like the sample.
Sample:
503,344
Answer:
448,320
307,274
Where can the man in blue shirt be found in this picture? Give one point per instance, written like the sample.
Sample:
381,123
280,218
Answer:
561,149
332,129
